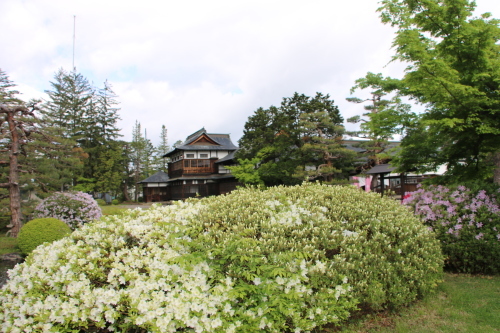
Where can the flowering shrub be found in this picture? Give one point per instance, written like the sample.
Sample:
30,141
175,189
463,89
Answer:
39,231
74,208
279,260
466,223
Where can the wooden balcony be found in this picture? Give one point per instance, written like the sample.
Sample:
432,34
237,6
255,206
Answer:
192,167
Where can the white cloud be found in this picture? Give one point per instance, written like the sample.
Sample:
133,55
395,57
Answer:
189,64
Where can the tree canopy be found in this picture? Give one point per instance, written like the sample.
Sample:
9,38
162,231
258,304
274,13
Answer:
453,70
300,138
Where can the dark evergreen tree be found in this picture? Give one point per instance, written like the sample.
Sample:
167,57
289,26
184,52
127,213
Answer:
26,149
325,156
161,163
86,115
139,148
69,102
283,138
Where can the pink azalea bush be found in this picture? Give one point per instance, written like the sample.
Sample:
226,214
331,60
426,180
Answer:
466,222
74,208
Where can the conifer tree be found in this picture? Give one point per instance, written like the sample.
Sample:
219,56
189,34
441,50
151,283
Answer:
323,149
69,103
161,162
26,149
86,115
302,131
139,148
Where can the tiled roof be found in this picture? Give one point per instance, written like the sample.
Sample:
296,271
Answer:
228,157
381,168
159,177
223,142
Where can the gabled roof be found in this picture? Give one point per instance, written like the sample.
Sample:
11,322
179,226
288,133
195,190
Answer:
201,140
159,177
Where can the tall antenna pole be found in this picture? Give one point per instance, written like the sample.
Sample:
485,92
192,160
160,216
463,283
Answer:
74,37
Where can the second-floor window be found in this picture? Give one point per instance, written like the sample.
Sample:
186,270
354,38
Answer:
196,163
189,155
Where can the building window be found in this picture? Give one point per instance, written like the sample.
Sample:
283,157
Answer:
203,155
189,155
196,163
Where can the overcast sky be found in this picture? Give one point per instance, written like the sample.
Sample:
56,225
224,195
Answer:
193,64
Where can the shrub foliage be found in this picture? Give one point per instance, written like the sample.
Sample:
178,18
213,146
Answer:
74,208
466,222
39,231
286,259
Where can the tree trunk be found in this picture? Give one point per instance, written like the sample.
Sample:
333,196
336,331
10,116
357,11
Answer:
14,191
496,172
126,196
373,182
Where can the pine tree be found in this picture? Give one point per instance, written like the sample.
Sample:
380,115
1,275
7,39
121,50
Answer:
323,148
26,149
107,113
109,176
161,163
86,115
302,131
100,131
69,103
140,159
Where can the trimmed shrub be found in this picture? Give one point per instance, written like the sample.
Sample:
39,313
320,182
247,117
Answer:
74,208
467,223
39,231
100,202
115,202
287,259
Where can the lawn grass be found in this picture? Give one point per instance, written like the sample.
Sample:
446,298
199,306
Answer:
8,245
112,210
462,303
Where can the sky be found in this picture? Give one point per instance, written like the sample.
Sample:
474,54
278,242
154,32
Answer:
197,63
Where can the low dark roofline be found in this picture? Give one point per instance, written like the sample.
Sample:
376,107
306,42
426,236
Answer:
159,177
382,168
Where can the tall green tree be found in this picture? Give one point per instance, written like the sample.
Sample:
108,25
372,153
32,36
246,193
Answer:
326,157
26,148
141,157
107,115
160,162
385,117
285,138
100,131
454,72
110,175
69,101
86,115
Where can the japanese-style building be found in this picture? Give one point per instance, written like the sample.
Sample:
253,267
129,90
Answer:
196,168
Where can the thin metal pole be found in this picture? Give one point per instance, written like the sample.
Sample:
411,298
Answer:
74,37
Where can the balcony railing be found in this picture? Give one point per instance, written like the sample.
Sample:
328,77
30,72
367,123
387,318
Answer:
191,166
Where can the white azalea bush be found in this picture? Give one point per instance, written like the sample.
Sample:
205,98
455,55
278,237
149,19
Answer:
281,260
